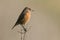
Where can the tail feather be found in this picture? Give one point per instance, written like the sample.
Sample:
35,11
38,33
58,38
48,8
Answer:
14,26
22,27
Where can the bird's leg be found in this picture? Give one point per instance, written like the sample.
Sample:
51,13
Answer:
24,28
28,28
25,32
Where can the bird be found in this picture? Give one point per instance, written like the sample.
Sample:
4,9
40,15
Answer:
23,18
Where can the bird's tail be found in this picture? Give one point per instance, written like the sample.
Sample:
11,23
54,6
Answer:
13,26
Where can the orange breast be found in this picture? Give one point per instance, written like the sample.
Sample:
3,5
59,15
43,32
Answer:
26,18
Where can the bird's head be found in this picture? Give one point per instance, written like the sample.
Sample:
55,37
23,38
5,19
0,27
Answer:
27,8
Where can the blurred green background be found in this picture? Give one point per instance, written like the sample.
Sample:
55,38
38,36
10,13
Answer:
45,20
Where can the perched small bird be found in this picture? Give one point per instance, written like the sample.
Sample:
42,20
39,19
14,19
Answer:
24,18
